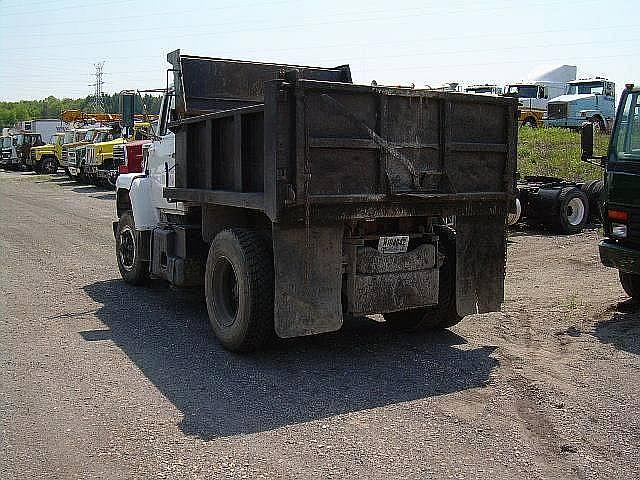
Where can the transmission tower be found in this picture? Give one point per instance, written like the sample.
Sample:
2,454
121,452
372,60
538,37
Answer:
98,101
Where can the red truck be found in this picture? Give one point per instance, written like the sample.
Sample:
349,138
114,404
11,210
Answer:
128,156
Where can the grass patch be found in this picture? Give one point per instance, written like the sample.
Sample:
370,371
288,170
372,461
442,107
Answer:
555,152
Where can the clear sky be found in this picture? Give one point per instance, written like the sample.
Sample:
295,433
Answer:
50,47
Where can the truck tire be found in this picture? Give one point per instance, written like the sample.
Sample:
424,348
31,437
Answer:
129,252
239,282
593,189
514,217
631,284
444,314
572,211
49,165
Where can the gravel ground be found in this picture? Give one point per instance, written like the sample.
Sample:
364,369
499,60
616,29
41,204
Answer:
102,380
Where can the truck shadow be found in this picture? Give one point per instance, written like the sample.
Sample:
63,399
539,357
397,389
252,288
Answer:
622,330
364,365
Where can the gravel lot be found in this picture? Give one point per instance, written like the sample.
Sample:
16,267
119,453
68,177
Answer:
102,380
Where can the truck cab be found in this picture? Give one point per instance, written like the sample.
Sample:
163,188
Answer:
621,197
534,94
6,147
78,152
532,102
23,142
46,158
587,100
72,138
127,157
99,166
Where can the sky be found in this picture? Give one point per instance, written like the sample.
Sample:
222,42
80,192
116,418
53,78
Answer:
50,47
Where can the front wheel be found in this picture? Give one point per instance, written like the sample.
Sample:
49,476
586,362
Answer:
132,264
530,122
239,282
445,313
631,284
49,165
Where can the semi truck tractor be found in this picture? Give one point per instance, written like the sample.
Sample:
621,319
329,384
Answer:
591,100
533,95
296,197
621,196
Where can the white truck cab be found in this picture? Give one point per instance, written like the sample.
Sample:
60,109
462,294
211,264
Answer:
142,193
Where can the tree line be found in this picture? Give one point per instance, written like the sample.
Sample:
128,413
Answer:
52,107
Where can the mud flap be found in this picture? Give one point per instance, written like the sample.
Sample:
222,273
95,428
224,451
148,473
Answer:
308,279
480,263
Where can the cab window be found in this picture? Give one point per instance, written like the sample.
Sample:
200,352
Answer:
628,132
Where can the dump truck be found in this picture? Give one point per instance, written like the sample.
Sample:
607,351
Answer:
46,158
620,198
296,197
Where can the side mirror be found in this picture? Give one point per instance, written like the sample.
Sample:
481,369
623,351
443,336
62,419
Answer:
127,109
586,141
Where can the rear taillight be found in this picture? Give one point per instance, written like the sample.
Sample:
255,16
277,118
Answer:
619,215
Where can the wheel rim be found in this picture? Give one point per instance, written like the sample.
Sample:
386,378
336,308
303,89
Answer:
226,296
575,211
513,218
127,251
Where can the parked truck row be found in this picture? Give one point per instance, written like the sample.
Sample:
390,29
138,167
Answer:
83,146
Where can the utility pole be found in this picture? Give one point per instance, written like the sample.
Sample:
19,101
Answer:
98,103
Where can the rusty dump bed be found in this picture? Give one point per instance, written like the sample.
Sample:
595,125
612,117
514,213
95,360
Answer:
330,150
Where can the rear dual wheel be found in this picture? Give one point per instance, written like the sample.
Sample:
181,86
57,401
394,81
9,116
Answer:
239,281
573,211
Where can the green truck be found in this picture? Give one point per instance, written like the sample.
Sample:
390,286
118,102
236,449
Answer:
621,196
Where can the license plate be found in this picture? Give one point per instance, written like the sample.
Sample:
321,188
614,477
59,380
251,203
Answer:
397,244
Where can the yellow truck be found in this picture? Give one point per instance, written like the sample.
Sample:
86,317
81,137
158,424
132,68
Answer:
46,158
76,155
100,168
